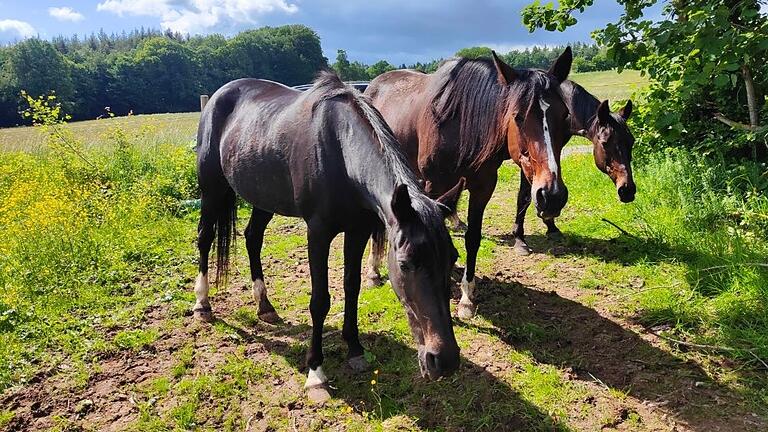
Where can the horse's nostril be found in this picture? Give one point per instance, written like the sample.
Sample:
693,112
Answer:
626,193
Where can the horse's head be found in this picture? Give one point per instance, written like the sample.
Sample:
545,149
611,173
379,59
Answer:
612,146
421,258
537,125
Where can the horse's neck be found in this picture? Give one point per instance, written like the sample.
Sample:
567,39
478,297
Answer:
373,176
583,108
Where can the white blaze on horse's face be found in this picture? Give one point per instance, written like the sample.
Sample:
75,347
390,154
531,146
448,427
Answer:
548,138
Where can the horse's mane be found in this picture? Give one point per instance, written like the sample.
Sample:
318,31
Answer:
328,86
583,106
470,90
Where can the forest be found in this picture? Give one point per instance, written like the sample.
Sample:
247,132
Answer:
150,71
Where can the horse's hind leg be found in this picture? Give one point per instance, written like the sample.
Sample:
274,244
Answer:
354,247
254,238
523,201
205,234
376,256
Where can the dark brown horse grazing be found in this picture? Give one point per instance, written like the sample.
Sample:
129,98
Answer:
611,146
464,120
327,156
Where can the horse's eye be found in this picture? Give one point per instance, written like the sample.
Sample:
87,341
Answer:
519,117
405,266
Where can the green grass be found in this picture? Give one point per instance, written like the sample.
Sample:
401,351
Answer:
148,129
610,84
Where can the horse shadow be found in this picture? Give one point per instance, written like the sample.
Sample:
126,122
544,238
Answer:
471,399
590,347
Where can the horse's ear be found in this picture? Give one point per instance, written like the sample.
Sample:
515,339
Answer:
401,205
603,112
626,111
562,66
449,200
504,71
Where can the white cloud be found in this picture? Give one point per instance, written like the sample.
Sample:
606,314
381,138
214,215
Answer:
198,16
20,28
65,14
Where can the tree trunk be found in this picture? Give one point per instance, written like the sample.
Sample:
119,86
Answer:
757,150
751,98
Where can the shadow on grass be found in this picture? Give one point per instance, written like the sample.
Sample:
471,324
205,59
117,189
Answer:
708,274
593,348
471,399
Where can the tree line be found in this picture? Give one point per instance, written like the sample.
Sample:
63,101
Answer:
587,58
149,71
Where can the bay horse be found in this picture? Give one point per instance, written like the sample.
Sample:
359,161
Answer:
463,121
612,143
327,156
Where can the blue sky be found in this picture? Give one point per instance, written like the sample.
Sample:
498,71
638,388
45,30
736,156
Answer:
401,31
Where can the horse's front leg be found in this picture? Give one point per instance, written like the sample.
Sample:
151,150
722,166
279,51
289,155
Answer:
478,199
319,241
553,232
354,247
523,201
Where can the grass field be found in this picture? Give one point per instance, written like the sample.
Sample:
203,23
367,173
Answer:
164,127
606,330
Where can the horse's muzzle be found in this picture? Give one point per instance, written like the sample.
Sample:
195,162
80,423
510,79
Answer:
436,364
627,192
550,201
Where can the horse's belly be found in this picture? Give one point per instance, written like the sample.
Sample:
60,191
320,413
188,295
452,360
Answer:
264,182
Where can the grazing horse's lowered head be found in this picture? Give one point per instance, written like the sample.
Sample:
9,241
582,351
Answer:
534,121
420,261
612,140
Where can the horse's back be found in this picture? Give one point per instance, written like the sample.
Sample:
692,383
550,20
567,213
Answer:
242,139
400,97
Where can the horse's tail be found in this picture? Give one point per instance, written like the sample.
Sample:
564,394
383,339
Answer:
226,233
219,201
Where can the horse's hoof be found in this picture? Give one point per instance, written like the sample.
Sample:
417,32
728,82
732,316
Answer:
466,310
374,281
521,248
555,236
270,317
358,364
460,227
204,315
319,394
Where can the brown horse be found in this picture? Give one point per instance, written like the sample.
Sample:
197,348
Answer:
612,144
326,156
463,121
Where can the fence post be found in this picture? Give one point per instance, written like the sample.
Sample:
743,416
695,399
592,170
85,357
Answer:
203,102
